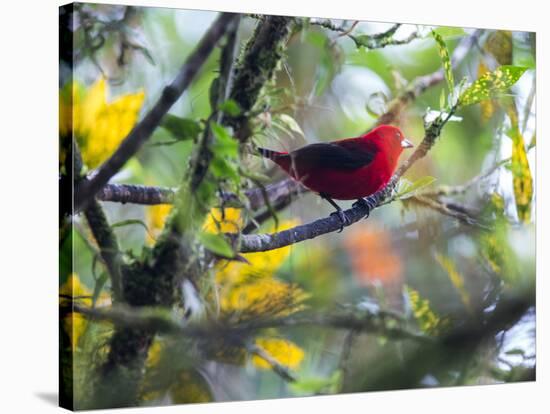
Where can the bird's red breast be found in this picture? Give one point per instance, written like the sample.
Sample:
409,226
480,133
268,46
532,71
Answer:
346,169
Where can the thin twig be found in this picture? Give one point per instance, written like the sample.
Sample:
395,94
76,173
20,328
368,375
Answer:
458,212
461,189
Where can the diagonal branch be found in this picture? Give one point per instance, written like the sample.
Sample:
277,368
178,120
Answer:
143,130
108,245
221,88
265,242
101,230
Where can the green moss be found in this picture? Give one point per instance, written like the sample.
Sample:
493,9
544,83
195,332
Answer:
257,66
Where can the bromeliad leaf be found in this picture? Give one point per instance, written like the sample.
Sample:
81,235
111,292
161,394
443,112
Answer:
445,60
291,124
407,189
181,128
522,178
216,244
491,84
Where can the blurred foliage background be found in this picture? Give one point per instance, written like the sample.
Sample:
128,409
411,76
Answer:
433,270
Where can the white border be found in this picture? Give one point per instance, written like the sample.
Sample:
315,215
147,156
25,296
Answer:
28,162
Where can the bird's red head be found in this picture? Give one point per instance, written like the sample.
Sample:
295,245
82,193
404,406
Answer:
390,140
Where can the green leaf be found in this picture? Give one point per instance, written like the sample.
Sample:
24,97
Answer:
131,222
447,32
224,145
216,244
491,84
445,60
181,128
223,168
407,189
230,107
515,351
442,98
316,385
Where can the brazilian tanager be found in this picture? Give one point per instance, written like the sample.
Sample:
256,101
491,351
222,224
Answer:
346,169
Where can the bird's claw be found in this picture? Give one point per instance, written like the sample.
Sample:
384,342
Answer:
344,220
365,202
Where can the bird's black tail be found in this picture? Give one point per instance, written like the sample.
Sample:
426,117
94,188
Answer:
267,153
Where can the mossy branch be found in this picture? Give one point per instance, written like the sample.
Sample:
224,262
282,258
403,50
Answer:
256,67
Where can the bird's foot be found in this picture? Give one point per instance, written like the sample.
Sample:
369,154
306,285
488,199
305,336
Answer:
344,220
365,202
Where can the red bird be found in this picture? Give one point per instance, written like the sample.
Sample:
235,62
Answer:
346,169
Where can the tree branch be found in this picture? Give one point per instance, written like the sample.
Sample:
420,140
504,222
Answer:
108,245
459,213
161,321
136,194
265,242
150,195
222,86
142,131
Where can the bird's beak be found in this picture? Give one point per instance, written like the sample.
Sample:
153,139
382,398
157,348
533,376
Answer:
406,143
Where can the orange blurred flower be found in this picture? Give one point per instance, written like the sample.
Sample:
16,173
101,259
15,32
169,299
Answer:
372,256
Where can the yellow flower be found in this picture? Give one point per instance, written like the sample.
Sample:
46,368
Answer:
99,126
74,290
74,323
156,217
283,351
231,222
261,263
261,297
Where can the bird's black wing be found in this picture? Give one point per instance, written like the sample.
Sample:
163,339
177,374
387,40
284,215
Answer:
345,155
